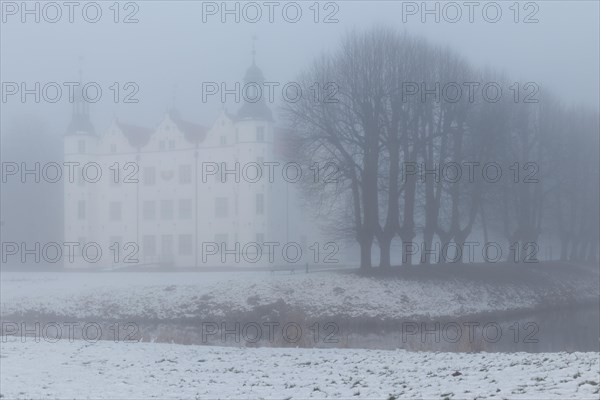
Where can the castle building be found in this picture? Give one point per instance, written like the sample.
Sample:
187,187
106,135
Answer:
183,194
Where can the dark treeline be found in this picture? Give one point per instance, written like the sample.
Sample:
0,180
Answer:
419,162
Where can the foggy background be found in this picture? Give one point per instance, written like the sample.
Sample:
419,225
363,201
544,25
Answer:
170,52
363,324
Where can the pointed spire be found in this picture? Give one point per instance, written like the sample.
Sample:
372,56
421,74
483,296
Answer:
174,96
254,49
80,68
79,104
258,109
80,119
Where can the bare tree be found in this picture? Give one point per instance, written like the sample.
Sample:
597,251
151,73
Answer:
393,147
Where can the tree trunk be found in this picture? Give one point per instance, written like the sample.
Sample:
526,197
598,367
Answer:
366,245
384,252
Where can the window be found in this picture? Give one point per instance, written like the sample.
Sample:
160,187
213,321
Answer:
81,209
260,134
166,245
185,245
113,148
166,209
185,208
149,176
171,144
161,145
149,210
115,244
260,238
237,135
220,239
223,141
185,174
114,211
149,245
115,176
260,204
81,146
221,207
80,180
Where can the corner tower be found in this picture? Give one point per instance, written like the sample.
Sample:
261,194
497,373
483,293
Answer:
254,144
80,144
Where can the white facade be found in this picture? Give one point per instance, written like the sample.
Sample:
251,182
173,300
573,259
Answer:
181,194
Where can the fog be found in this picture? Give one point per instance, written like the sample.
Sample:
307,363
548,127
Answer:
171,46
171,51
374,176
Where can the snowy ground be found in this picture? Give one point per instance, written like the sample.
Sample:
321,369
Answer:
168,296
109,369
153,370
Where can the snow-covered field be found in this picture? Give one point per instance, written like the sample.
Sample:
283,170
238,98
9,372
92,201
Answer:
109,369
154,370
167,296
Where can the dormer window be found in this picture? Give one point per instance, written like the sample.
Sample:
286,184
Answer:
171,144
161,145
113,148
81,146
223,141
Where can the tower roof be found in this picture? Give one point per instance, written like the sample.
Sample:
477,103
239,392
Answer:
255,108
254,74
81,123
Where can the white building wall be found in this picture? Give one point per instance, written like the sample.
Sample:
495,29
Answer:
151,220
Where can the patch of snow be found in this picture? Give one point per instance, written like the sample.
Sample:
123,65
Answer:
108,370
165,296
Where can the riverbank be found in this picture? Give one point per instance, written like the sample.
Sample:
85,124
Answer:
417,294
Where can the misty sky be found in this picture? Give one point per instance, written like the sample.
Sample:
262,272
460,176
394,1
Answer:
171,46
